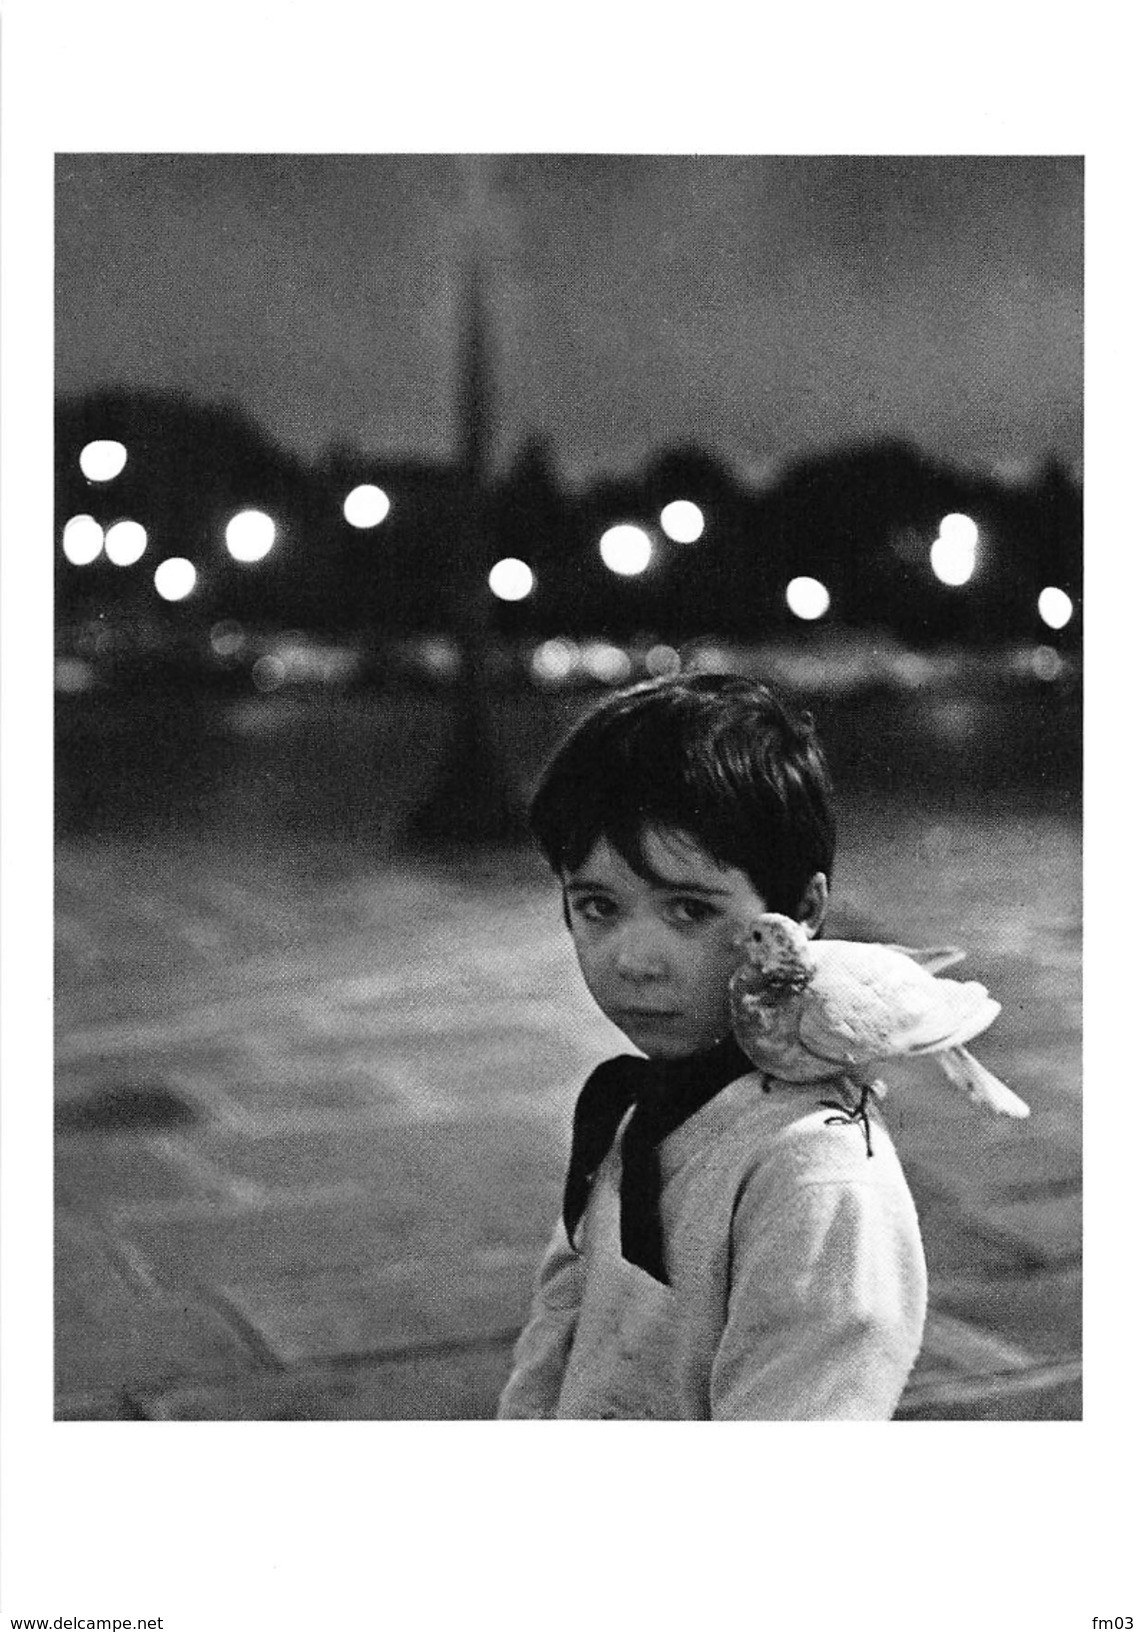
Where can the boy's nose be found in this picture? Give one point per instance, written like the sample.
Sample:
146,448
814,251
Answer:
638,958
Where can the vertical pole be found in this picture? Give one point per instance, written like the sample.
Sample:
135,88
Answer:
475,799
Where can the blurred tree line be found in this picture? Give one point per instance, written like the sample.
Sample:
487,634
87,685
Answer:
859,519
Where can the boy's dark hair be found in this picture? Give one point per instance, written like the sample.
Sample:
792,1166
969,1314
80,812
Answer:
717,756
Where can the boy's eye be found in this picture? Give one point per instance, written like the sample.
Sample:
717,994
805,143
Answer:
693,910
595,908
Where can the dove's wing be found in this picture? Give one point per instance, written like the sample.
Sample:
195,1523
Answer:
965,1010
867,1002
932,958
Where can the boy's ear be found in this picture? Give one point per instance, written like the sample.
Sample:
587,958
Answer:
812,910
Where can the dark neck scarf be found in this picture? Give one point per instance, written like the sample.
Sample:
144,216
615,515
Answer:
665,1093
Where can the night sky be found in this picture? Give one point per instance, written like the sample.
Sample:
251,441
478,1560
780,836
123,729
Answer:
761,307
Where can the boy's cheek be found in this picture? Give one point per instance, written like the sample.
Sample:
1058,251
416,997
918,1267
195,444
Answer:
739,921
732,945
588,965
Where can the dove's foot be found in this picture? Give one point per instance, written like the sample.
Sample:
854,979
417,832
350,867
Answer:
852,1113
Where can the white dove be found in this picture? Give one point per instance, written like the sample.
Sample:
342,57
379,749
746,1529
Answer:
806,1011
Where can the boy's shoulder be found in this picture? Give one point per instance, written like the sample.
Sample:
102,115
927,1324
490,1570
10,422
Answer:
788,1133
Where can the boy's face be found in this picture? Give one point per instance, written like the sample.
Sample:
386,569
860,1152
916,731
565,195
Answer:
657,957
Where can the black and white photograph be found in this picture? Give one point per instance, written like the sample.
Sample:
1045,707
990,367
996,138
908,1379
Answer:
374,475
563,816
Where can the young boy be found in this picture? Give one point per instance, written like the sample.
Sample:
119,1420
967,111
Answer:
726,1250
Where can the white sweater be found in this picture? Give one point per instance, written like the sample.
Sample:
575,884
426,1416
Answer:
797,1278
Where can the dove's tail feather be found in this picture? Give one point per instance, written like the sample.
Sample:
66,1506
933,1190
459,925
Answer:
932,958
980,1085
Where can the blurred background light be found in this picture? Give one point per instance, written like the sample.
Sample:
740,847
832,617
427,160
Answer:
554,661
960,529
807,598
1047,664
1055,608
366,506
626,549
73,675
606,662
102,461
953,558
662,660
682,521
1014,472
82,540
125,543
250,535
175,578
710,657
511,580
910,669
439,656
269,672
228,639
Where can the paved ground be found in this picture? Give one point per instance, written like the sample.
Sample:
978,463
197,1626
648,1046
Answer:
312,1116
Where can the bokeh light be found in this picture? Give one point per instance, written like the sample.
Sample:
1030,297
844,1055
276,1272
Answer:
250,535
511,580
1015,471
953,558
606,662
73,675
82,540
1055,607
269,672
175,578
709,656
366,506
1047,664
807,598
682,521
102,461
626,549
125,543
960,529
554,661
910,669
228,639
440,656
662,660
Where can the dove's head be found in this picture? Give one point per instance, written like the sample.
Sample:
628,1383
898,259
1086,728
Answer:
777,950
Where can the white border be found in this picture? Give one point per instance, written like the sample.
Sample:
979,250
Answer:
941,1526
